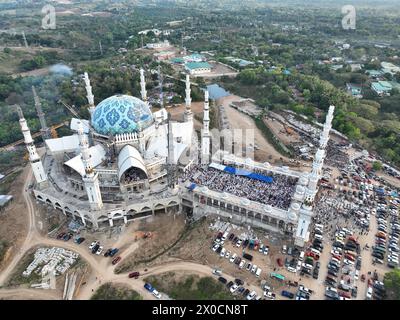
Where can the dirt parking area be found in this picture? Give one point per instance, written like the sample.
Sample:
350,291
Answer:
286,136
153,237
197,109
196,247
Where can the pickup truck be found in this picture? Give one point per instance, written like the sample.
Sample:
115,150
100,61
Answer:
113,252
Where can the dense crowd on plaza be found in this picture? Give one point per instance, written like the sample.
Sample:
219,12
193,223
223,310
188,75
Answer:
278,193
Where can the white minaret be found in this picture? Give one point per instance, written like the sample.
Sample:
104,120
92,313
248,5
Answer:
205,138
89,94
188,115
319,158
90,179
34,159
327,128
143,91
171,150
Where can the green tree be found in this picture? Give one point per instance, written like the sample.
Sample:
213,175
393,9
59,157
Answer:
377,165
392,284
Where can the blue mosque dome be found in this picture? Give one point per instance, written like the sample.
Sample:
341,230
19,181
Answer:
121,114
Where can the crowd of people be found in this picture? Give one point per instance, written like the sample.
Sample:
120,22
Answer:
132,175
335,156
277,194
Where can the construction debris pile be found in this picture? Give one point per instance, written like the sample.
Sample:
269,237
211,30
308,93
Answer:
54,259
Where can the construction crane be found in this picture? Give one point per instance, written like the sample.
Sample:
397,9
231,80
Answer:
75,113
34,135
46,134
70,109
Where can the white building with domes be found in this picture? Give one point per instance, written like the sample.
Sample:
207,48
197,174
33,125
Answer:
125,163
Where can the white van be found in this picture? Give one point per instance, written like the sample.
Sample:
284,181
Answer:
291,269
319,226
315,251
258,272
318,231
319,237
301,257
225,235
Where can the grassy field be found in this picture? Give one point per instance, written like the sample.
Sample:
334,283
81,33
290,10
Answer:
189,287
109,291
5,184
17,278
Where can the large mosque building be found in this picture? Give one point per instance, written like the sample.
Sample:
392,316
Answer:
127,163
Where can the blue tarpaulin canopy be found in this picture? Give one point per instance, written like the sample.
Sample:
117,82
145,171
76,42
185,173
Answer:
192,186
249,174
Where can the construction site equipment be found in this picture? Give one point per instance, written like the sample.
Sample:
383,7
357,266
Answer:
46,134
35,135
70,109
74,113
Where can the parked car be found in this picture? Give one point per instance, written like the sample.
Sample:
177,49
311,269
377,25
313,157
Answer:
369,293
223,280
113,252
156,294
61,235
287,294
148,287
92,245
251,295
217,272
134,274
116,260
234,288
99,250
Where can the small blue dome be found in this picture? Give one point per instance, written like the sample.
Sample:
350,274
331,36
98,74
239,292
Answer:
121,114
